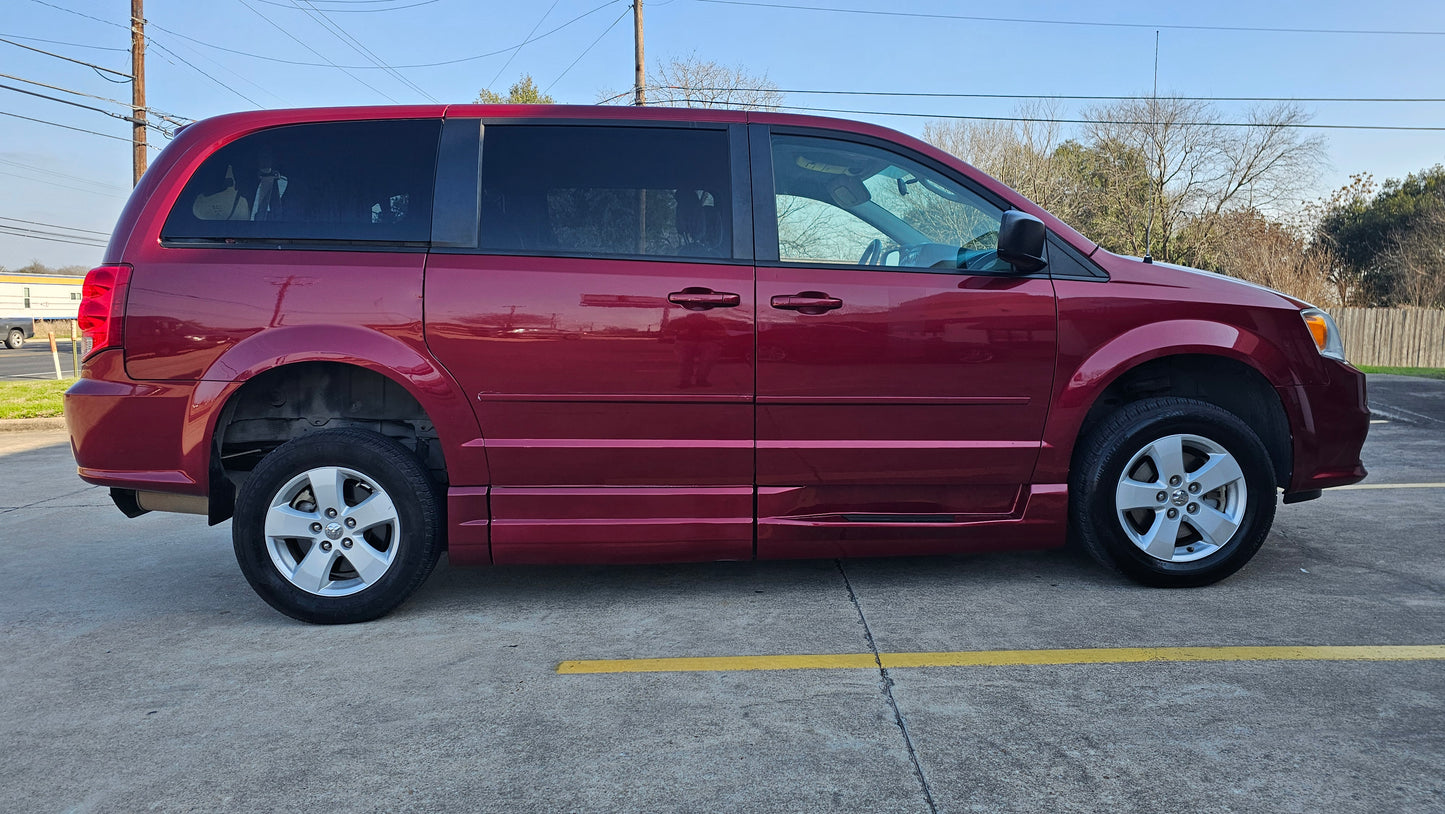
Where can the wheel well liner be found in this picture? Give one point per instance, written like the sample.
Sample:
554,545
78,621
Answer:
290,401
1227,383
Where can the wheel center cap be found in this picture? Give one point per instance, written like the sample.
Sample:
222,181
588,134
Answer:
333,531
1179,498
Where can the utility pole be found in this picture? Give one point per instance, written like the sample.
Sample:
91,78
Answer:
138,89
639,77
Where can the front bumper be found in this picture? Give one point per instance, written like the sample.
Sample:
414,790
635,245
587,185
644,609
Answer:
1329,423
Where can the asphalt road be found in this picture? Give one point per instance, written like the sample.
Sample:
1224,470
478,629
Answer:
33,361
141,673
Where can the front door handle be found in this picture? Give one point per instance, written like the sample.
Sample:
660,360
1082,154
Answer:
701,299
806,302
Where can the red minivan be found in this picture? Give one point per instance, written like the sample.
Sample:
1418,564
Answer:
549,334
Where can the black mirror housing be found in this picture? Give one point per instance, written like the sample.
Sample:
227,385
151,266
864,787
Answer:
1021,241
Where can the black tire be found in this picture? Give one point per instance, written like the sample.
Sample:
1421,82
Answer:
410,541
15,338
1097,493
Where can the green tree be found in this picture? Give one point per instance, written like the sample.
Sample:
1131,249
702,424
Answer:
1382,236
524,92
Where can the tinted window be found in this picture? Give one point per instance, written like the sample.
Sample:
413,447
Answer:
845,203
352,181
606,191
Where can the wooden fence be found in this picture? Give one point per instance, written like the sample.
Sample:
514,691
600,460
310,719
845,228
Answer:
1396,337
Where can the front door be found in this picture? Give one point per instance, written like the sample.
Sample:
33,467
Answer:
604,327
903,371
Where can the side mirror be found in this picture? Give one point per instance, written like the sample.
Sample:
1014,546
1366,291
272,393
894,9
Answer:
1021,241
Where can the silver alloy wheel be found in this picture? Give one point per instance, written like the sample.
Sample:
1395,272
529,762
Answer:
1181,498
332,531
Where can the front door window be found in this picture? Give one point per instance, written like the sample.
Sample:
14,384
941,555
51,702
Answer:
853,204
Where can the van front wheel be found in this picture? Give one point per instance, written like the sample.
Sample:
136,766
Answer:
1172,492
337,526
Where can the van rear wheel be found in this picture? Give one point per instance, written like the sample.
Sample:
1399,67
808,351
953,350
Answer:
337,526
1172,492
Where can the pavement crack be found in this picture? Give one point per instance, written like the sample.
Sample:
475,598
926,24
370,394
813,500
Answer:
8,509
886,686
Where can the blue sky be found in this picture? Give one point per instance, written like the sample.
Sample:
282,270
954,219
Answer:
80,180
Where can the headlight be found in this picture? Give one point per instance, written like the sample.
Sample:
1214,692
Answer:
1325,333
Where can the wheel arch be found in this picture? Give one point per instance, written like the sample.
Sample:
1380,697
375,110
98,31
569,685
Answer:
264,391
1222,364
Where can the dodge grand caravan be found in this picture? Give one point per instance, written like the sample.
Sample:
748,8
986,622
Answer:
599,334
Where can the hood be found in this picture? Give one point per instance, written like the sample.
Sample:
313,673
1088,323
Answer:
1212,284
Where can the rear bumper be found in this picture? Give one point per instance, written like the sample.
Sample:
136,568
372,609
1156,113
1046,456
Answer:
1329,423
136,435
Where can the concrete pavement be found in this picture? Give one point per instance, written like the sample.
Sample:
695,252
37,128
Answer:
141,673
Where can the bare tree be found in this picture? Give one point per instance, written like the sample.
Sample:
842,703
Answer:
694,82
1019,153
1277,254
1198,169
1181,149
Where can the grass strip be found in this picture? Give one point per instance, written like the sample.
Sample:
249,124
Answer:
1421,372
35,399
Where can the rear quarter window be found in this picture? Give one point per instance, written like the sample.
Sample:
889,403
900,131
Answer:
367,181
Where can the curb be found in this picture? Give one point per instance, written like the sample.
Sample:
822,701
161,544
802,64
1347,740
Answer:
31,424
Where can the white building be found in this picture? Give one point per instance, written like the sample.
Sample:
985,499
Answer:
25,298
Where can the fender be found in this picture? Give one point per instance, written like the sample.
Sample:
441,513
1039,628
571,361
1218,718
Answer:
1081,381
438,394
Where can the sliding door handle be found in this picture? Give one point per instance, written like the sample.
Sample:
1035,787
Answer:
701,299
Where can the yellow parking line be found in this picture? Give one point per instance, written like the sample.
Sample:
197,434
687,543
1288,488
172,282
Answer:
1393,486
1007,658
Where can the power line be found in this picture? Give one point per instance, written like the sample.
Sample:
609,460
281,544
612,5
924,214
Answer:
66,58
56,226
276,26
589,48
189,64
1091,23
150,37
1064,97
57,184
160,113
79,105
1052,120
357,46
71,44
43,170
356,10
65,126
81,14
53,237
328,64
518,49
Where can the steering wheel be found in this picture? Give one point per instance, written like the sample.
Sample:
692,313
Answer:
873,254
981,261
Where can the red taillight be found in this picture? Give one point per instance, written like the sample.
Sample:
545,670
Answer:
102,307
